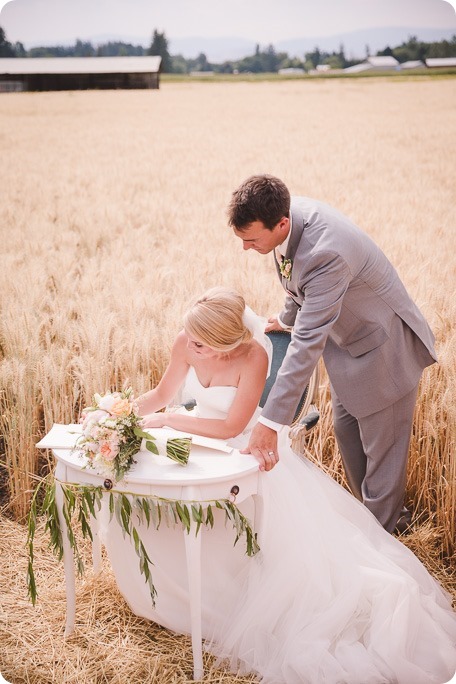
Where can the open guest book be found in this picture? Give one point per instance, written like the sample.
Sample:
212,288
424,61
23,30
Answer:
66,436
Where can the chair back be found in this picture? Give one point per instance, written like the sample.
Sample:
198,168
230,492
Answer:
280,340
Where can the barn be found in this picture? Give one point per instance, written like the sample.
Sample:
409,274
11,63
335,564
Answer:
79,73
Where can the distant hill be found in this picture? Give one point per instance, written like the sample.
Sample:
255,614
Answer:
215,49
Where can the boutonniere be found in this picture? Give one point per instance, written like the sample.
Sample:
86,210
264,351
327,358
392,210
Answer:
285,268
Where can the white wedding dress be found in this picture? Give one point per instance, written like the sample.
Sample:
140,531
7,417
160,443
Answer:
331,598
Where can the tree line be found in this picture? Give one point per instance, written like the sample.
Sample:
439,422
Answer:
263,60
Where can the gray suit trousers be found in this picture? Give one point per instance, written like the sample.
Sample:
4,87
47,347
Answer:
374,451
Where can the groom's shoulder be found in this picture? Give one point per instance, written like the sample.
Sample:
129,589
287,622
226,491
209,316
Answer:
310,205
322,216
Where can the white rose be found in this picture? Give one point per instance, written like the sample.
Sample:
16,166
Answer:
92,418
109,423
107,401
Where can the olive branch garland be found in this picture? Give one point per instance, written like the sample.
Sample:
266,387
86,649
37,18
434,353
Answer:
85,500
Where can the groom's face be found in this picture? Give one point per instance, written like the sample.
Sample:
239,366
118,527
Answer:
263,240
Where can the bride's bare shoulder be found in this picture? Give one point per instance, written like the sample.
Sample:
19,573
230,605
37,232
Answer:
180,343
257,353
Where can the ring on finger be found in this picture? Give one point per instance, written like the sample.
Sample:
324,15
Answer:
270,453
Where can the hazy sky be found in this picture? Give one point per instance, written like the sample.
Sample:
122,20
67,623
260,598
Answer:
264,21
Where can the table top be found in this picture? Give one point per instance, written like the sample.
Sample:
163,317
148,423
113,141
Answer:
205,465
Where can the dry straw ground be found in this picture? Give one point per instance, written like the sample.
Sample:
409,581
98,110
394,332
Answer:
112,217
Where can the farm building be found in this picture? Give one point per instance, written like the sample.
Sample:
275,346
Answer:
79,73
441,62
413,64
380,63
290,71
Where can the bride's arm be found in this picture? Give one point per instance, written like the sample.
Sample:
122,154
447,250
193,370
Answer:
171,381
248,394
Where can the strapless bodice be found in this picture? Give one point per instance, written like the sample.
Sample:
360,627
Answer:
215,402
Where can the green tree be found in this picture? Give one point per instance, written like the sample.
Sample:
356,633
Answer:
159,47
387,52
82,49
446,48
312,59
178,64
19,49
271,60
114,49
6,49
201,63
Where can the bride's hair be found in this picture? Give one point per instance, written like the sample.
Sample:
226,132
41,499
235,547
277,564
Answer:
216,319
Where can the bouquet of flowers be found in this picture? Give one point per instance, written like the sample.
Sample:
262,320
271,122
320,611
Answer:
112,435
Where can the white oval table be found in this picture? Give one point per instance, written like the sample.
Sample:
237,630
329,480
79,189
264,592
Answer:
209,475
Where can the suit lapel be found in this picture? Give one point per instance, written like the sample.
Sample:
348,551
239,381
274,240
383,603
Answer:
297,226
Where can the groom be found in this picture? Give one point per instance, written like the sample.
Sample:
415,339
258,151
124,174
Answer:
346,303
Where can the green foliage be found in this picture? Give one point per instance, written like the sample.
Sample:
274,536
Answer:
6,49
159,47
263,61
413,49
117,48
178,64
84,501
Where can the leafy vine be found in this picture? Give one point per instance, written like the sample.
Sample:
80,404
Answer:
84,501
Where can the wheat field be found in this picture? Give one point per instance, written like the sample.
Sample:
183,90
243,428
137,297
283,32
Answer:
113,217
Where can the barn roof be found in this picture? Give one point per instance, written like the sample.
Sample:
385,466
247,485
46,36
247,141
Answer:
441,62
357,68
412,64
383,61
79,65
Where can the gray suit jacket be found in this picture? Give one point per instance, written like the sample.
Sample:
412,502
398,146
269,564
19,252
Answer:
346,302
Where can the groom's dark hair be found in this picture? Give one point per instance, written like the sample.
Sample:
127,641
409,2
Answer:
259,198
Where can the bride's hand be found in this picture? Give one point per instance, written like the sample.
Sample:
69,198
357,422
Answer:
273,324
153,420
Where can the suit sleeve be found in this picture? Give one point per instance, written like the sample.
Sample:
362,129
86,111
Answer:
289,312
323,286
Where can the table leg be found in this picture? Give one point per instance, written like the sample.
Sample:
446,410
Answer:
193,556
96,544
68,563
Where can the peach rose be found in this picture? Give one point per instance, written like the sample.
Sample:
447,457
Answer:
120,407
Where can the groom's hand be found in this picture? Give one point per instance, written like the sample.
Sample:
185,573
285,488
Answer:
263,445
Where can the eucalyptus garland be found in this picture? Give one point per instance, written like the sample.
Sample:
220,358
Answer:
83,501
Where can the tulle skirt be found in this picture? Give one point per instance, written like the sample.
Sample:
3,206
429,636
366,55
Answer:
331,598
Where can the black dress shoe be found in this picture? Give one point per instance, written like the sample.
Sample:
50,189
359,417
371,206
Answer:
403,525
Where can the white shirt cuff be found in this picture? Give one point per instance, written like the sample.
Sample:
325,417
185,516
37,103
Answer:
281,323
270,424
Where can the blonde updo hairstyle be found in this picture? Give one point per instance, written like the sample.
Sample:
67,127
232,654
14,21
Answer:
216,320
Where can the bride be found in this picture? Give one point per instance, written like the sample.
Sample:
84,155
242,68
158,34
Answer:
331,598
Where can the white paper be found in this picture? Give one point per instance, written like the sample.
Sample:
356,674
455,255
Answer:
61,437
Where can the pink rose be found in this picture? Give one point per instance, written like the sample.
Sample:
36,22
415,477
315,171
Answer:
109,450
